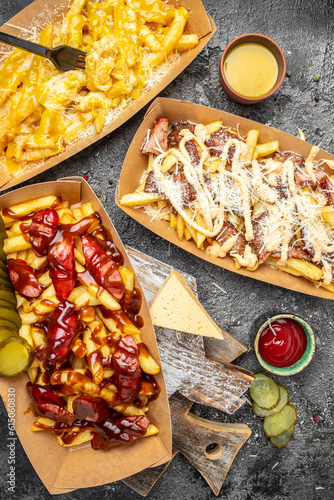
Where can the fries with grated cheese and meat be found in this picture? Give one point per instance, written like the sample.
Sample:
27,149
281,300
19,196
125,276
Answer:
236,197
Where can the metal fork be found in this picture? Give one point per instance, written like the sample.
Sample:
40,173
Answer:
63,57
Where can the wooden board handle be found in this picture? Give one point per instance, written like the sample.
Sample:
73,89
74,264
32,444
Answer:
209,446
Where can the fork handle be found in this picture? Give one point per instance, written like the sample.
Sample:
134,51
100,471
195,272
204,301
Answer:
35,48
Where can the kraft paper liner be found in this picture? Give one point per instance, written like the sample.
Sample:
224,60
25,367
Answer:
64,469
42,12
181,111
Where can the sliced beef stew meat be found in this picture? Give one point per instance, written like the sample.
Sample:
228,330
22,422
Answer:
295,252
328,189
157,139
258,241
188,192
151,185
174,137
218,140
282,190
193,153
228,230
303,179
298,160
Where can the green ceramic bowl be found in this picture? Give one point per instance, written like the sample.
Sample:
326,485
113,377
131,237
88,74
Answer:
304,360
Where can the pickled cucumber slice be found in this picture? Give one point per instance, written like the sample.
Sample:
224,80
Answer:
282,439
6,303
3,232
7,324
8,295
2,254
11,315
264,392
7,287
280,422
15,356
5,333
3,265
6,283
4,275
284,399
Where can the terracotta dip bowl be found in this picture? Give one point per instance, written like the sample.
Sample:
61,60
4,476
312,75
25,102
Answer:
274,48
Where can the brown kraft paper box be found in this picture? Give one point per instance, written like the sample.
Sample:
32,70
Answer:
181,111
65,469
41,13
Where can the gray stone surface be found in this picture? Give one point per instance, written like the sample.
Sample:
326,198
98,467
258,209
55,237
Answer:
304,469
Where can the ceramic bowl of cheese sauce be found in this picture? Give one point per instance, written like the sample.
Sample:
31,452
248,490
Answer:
252,68
284,344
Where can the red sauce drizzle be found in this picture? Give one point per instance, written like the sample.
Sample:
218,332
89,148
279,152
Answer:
111,432
108,427
107,243
24,227
24,278
131,305
122,320
42,230
7,212
282,343
63,328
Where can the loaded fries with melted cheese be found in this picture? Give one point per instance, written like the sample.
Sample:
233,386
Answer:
130,45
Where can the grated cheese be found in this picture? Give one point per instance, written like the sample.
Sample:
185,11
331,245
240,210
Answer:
289,217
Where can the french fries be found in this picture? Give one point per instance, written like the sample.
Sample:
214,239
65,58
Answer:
104,333
238,197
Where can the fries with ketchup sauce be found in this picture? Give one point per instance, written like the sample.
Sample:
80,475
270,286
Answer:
91,376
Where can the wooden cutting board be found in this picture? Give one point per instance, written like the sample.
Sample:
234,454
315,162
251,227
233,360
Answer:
209,446
198,368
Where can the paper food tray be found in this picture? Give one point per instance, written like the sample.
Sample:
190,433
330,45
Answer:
135,164
42,12
64,469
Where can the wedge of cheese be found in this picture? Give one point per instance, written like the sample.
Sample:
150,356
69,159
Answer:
176,306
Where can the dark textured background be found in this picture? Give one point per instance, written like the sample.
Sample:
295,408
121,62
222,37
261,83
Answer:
304,469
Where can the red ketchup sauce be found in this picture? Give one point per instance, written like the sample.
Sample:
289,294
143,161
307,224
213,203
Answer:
24,278
282,343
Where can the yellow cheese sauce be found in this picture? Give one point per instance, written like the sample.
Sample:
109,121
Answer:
251,69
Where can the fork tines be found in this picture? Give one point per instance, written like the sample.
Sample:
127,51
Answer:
81,61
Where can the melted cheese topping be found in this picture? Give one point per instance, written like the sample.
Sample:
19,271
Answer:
130,46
